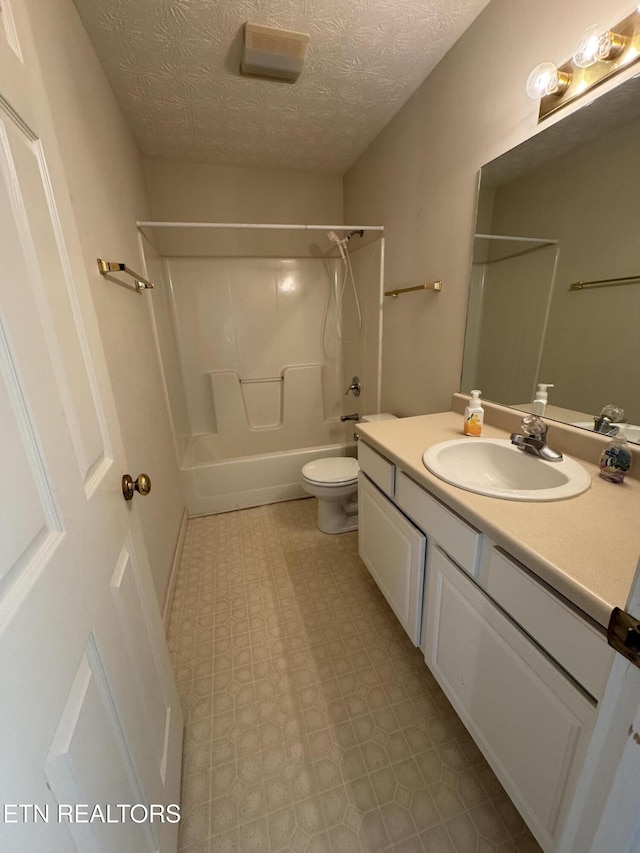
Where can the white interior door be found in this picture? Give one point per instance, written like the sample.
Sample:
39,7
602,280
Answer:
619,826
89,714
605,815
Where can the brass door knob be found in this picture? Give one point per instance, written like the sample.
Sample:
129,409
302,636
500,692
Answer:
142,485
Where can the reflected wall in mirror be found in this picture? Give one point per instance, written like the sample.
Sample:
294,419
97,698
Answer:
561,208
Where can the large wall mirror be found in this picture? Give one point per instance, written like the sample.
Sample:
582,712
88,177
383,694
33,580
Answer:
555,281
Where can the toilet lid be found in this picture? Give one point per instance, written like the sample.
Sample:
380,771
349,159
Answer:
335,469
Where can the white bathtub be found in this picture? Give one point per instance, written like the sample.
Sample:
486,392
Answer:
213,487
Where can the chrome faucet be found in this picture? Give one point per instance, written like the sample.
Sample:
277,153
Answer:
604,425
607,420
355,387
354,417
534,439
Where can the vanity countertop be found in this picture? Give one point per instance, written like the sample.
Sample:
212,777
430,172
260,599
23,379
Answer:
587,548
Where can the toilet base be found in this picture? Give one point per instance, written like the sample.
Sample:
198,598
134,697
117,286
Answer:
337,516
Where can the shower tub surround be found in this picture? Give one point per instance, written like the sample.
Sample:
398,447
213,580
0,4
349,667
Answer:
252,337
262,374
211,487
256,361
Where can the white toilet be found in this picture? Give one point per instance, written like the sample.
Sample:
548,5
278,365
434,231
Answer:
334,481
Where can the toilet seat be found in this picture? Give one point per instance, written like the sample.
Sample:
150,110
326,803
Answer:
332,471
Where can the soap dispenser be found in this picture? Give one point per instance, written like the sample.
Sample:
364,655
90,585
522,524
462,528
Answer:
615,460
474,415
539,405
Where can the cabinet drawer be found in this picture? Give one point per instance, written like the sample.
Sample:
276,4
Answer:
577,645
377,468
461,541
531,722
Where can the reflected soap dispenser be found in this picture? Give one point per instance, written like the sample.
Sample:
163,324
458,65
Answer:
474,415
539,405
615,460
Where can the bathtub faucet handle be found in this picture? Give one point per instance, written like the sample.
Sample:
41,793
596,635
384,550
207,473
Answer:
355,387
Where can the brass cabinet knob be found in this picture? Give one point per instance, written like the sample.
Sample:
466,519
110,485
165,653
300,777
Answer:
142,485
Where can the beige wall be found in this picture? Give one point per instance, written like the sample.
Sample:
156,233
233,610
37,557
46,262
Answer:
418,179
186,192
106,183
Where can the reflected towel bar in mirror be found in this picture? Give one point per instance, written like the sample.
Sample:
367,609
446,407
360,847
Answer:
603,282
140,283
430,285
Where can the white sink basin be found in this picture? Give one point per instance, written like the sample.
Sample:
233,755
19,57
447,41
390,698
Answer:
495,467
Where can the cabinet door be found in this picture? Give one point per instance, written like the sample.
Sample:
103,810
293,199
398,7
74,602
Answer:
393,550
532,723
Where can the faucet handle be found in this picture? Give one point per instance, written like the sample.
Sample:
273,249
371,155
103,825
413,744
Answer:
534,426
355,387
613,413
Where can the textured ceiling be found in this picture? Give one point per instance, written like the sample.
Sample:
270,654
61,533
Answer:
173,65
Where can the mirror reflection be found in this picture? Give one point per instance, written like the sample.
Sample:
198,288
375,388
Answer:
555,282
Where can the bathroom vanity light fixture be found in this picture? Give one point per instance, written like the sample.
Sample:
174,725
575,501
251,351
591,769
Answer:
598,45
546,79
600,54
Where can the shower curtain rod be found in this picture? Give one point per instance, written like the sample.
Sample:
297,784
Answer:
260,226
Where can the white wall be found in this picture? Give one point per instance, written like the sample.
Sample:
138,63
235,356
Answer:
108,193
418,179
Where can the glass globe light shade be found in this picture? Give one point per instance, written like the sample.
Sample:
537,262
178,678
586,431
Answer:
595,45
542,81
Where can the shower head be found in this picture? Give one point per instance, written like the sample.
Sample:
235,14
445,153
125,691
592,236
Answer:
339,243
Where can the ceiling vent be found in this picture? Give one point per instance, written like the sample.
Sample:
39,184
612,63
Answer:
269,52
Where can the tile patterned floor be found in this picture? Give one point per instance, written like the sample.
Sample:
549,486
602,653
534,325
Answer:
312,723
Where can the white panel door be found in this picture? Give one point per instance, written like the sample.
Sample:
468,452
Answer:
89,714
605,814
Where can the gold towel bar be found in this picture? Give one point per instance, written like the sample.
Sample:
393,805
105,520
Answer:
430,285
603,282
140,283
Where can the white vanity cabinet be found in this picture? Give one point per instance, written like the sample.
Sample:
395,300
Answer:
531,722
393,550
521,666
